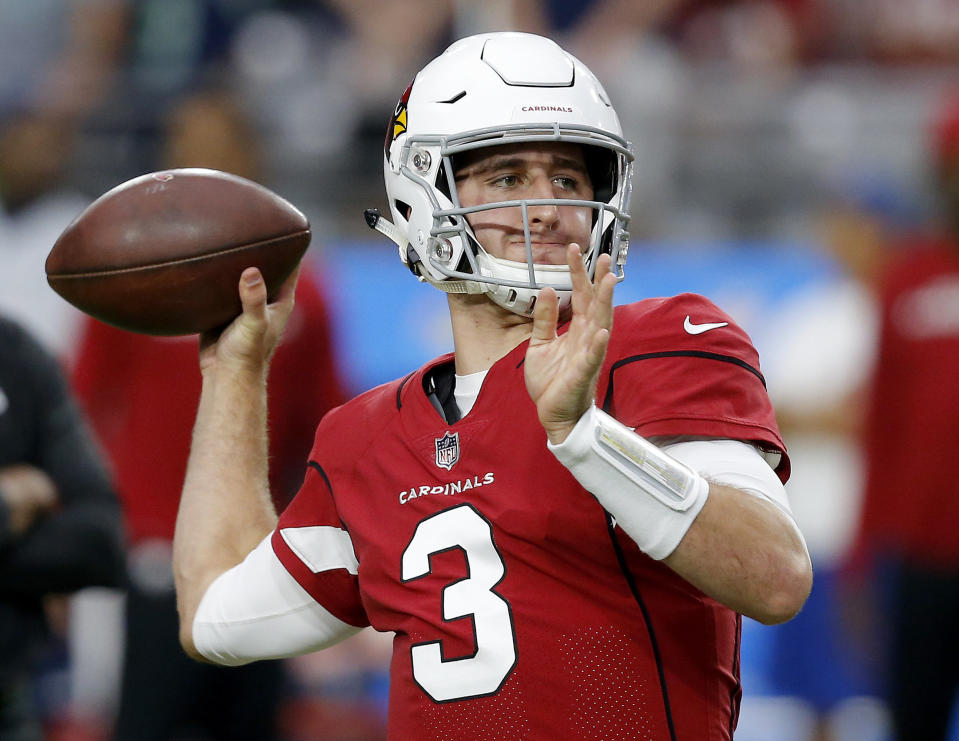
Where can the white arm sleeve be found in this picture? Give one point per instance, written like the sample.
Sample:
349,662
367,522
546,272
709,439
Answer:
732,463
736,464
655,493
257,610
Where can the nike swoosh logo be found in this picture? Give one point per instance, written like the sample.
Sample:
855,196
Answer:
700,328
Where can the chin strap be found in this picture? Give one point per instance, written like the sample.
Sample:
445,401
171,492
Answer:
457,286
376,221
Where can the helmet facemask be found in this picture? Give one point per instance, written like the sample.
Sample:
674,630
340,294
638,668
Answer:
453,259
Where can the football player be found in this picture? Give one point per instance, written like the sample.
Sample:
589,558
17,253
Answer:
563,521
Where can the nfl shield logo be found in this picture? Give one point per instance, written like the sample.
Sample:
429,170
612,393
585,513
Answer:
447,450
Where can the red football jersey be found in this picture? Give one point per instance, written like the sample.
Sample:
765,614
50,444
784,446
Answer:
911,503
519,610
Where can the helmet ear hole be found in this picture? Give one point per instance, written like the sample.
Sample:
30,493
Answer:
403,208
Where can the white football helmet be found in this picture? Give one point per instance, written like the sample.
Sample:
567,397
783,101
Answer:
485,90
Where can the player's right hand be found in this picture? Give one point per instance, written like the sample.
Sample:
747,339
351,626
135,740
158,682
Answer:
248,343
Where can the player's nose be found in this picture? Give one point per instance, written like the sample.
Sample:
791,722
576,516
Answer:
548,214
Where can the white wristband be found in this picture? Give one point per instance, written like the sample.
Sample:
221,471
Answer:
653,496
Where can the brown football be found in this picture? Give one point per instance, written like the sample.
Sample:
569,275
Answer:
162,254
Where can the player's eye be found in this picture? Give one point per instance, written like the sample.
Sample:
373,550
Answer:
505,181
567,183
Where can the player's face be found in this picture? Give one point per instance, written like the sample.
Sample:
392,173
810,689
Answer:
527,171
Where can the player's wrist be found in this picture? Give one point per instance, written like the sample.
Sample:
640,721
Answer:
242,363
226,385
559,430
558,434
654,497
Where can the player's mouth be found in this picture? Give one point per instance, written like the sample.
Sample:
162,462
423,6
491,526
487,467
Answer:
544,253
549,253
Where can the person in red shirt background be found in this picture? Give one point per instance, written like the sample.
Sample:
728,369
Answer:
141,394
910,510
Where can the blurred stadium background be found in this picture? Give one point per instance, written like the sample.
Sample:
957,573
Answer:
774,139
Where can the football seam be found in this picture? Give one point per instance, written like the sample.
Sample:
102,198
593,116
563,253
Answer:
178,261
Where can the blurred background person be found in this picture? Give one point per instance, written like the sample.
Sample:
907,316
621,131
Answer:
36,204
910,513
61,60
60,55
820,345
60,527
141,394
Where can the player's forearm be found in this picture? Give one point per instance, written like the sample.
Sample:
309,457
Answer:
225,508
745,553
734,544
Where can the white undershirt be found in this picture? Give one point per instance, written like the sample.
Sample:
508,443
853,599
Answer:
466,390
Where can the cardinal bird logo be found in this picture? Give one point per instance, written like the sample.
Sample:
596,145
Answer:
398,121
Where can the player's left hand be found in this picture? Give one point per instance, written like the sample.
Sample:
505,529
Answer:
562,370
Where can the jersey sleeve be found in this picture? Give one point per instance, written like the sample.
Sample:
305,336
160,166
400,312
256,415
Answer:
314,546
681,367
257,610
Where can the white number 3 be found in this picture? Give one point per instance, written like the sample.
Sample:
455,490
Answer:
484,672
